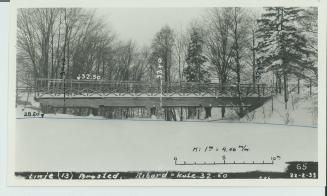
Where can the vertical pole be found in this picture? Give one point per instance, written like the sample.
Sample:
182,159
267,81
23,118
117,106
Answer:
159,75
64,96
198,113
272,94
161,92
272,103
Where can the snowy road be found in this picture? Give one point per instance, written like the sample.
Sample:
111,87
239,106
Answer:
112,145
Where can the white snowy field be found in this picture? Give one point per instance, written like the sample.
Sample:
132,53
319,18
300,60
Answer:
126,145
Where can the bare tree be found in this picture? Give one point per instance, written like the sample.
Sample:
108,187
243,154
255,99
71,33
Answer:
240,32
180,50
124,58
48,37
219,43
141,65
35,27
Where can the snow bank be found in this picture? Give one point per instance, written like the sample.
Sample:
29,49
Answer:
302,109
28,100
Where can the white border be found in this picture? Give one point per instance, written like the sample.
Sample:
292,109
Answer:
13,181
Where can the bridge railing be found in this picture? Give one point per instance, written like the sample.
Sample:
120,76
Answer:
57,87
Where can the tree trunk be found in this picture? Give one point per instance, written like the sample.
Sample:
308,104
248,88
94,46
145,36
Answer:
68,57
310,86
279,84
223,112
283,60
285,89
52,48
103,68
58,46
179,71
298,85
253,60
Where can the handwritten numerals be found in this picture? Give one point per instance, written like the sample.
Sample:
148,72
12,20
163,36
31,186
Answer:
216,148
65,175
205,176
304,175
301,166
88,77
33,114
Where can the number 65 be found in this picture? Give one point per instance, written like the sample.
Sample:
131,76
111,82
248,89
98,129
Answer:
302,166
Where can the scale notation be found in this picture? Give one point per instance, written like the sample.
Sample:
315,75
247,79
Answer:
224,162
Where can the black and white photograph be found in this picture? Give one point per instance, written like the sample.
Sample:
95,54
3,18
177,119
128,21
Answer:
171,95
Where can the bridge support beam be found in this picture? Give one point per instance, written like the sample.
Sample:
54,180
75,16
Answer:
174,108
223,112
208,112
153,111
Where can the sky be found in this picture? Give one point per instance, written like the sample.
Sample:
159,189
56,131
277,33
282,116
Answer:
141,24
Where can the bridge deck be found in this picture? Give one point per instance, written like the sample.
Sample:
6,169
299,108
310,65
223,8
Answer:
96,102
94,94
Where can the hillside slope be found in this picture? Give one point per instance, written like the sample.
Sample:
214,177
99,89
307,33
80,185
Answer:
302,109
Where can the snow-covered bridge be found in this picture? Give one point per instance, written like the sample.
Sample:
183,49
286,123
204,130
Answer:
100,96
50,88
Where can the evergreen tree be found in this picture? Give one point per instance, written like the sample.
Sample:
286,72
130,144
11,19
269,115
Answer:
195,72
282,47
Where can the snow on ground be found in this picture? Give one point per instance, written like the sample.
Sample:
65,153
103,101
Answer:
25,103
126,145
93,143
27,100
21,112
302,109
